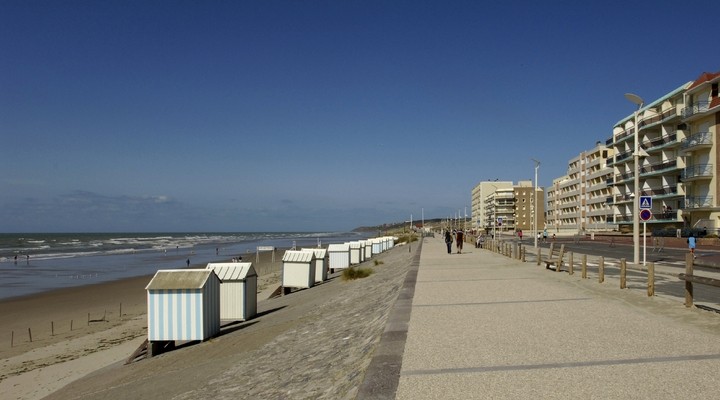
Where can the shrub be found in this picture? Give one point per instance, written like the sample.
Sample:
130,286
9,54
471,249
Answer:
378,262
356,273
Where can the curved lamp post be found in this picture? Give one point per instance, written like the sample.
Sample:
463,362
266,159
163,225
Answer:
636,159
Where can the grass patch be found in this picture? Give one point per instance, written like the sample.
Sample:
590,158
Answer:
378,262
352,273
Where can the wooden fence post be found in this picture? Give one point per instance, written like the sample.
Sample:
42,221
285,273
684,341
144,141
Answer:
539,255
623,274
651,280
30,334
601,270
584,266
688,284
570,263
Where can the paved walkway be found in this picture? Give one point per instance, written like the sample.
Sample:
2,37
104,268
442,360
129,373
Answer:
484,326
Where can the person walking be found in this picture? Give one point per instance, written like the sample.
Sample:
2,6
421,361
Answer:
459,240
691,241
448,241
520,234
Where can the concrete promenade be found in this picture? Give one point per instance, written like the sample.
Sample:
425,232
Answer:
484,326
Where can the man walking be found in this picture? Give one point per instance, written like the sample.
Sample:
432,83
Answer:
459,239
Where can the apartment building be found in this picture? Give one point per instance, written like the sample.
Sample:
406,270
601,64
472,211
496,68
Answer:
659,136
479,193
525,200
510,208
700,121
578,202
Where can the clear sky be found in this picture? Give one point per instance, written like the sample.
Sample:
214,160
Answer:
313,115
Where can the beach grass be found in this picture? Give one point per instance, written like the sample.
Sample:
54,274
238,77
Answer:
353,273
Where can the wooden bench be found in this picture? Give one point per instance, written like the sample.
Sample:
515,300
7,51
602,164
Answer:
555,257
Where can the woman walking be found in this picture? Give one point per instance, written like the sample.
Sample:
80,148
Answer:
448,241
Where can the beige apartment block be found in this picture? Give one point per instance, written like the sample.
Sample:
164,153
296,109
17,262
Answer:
508,208
660,133
578,202
699,148
479,193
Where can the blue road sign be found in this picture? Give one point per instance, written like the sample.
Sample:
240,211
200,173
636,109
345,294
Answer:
645,214
645,202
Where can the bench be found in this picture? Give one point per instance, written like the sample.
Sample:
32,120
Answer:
555,257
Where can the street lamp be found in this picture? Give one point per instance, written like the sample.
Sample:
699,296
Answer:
636,159
535,209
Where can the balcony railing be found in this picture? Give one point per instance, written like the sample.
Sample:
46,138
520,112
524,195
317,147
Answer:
658,167
699,107
623,156
698,202
659,142
664,191
624,177
697,139
698,171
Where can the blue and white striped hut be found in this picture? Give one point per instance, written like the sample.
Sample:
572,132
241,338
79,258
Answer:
183,304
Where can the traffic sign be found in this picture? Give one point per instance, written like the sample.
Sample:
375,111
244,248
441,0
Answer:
645,214
645,202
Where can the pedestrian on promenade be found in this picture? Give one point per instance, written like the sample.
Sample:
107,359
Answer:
480,241
545,235
691,244
459,240
448,241
520,234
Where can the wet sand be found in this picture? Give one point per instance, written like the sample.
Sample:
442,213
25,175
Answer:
78,330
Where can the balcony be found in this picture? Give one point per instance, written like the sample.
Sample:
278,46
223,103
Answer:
696,141
667,114
658,168
664,192
697,172
658,143
624,177
698,202
697,108
623,156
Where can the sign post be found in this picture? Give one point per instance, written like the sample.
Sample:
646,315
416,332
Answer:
645,215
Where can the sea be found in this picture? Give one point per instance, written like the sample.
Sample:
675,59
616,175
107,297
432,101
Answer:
32,263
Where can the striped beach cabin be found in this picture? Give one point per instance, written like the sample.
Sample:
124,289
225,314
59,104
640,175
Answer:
183,304
355,252
238,290
321,264
298,269
339,254
367,248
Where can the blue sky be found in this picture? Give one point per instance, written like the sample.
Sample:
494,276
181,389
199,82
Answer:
313,115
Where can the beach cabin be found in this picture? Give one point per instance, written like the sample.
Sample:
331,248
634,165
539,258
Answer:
377,245
362,250
339,255
368,248
238,290
183,304
298,269
321,264
355,250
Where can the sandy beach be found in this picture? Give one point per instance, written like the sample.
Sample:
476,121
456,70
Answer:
76,331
